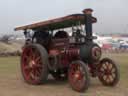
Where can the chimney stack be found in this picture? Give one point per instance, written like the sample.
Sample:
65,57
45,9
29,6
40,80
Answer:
88,23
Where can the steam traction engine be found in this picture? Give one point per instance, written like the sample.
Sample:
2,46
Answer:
49,49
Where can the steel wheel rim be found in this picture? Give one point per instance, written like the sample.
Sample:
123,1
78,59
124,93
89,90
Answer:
31,65
107,72
77,76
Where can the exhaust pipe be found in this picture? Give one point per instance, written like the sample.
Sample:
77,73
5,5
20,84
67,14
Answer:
88,23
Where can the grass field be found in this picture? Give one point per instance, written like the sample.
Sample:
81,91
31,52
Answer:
12,84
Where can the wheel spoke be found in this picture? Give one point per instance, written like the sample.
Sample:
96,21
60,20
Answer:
104,77
76,76
107,65
78,83
37,59
38,66
32,64
28,75
25,56
38,73
113,75
27,67
101,70
108,78
104,66
108,73
36,54
32,53
110,66
113,70
33,74
74,80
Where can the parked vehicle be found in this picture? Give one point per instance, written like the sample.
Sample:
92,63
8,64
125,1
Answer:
124,45
50,50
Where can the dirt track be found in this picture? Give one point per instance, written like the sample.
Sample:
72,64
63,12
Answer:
14,86
11,84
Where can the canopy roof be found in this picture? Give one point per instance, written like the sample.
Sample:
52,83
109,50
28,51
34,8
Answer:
63,22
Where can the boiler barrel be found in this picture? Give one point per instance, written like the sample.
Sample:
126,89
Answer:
90,53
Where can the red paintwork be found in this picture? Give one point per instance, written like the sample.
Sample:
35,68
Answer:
76,76
31,65
96,53
66,55
106,72
54,52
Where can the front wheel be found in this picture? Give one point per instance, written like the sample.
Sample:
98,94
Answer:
78,76
108,72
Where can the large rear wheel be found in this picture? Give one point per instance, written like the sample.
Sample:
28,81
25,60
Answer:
108,72
78,76
34,62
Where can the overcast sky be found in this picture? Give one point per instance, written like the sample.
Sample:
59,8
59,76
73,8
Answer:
111,14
